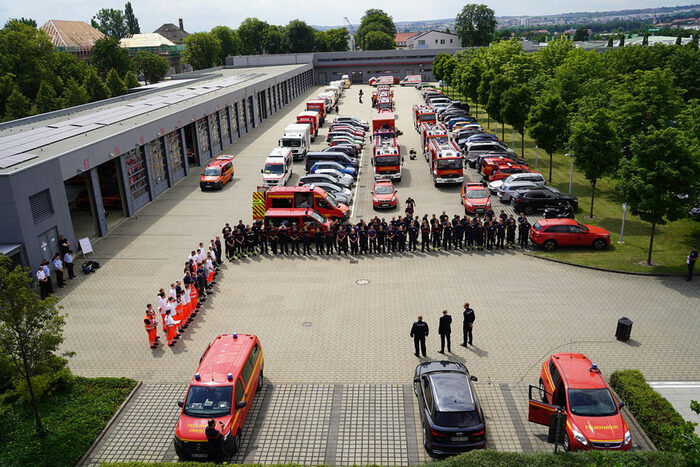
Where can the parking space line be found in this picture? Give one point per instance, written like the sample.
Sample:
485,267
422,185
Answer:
515,418
411,434
334,428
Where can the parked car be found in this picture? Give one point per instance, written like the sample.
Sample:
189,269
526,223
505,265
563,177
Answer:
534,177
341,195
505,192
347,149
553,233
351,120
384,194
335,165
217,173
451,416
574,383
540,198
475,198
323,177
344,134
343,178
355,131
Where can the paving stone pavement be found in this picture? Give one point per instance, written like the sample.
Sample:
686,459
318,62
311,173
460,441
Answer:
319,327
680,394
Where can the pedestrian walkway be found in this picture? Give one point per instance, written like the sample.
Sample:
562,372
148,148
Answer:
680,394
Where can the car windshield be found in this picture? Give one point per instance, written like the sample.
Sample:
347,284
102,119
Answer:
274,168
476,194
317,217
291,143
208,401
384,189
592,402
449,164
585,229
331,200
384,161
427,117
212,171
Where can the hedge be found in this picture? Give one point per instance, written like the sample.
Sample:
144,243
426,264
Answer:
488,458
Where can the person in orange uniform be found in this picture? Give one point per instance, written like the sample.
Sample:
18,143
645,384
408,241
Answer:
151,324
171,326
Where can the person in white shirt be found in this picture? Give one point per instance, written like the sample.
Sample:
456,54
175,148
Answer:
162,304
58,267
171,326
173,291
43,281
212,252
192,256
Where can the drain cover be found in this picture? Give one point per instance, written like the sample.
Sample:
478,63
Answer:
306,324
362,281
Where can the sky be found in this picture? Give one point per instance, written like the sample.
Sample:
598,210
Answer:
202,16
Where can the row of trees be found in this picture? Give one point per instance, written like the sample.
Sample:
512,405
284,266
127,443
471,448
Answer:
632,113
256,37
35,78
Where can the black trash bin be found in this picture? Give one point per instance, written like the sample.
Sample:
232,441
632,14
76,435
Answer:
624,329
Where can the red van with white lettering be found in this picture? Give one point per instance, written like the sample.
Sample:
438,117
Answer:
229,375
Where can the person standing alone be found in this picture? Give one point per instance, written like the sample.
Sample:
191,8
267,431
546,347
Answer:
445,330
419,331
468,325
692,258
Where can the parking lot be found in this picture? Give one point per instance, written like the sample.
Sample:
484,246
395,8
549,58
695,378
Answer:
335,332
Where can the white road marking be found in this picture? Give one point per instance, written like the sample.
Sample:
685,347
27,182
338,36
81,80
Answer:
674,384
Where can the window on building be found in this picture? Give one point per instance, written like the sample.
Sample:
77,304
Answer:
41,206
450,41
421,42
442,41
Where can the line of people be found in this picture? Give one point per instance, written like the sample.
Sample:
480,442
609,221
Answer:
179,305
399,234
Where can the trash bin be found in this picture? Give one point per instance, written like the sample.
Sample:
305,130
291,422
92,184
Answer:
624,329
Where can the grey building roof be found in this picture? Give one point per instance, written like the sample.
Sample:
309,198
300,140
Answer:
173,33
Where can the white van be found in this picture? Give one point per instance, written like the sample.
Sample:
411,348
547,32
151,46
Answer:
278,167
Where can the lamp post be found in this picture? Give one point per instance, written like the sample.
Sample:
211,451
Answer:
537,154
571,175
622,228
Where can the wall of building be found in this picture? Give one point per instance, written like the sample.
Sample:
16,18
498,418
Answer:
434,40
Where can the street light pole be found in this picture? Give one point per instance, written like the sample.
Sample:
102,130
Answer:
537,153
622,228
571,175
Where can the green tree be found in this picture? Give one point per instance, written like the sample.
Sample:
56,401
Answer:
132,22
516,102
130,80
610,42
7,86
475,25
115,84
68,66
494,104
375,20
74,94
27,54
151,66
95,87
110,22
107,55
555,54
448,67
660,182
252,31
581,34
46,100
622,40
17,106
300,36
337,39
595,145
645,40
684,62
547,123
31,329
229,40
679,38
27,21
275,41
377,40
202,50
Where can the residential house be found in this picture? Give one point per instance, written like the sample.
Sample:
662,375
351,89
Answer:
75,37
434,40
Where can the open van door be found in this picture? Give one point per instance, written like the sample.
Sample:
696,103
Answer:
537,411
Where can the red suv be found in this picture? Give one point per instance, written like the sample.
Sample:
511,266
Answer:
573,383
384,195
551,233
475,198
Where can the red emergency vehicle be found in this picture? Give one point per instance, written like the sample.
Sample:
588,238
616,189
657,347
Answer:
386,159
383,121
312,118
433,132
306,197
573,383
423,114
319,105
229,375
297,216
445,163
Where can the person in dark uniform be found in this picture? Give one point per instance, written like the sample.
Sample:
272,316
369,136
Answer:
372,235
250,238
443,217
284,239
306,240
500,233
425,236
363,240
480,233
381,237
503,216
330,241
419,331
228,243
401,239
467,325
457,233
353,242
447,235
524,231
342,241
215,439
391,239
692,258
412,236
294,237
510,233
274,239
469,234
239,242
445,330
263,233
318,239
436,231
410,204
490,235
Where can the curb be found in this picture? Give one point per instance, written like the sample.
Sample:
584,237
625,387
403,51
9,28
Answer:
631,420
100,437
630,273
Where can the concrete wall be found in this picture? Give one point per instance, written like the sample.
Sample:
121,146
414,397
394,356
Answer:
248,61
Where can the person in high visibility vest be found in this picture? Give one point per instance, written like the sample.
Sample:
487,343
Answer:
171,326
151,324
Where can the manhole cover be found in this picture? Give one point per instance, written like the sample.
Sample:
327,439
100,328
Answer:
362,281
306,324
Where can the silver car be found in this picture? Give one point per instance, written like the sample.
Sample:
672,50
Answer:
342,195
534,177
506,191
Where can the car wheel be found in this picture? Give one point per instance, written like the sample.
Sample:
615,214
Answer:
425,439
566,443
599,244
549,245
543,394
236,444
529,210
220,186
261,380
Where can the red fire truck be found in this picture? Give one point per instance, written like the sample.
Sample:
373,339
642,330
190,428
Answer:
433,132
383,121
423,114
312,118
386,158
445,163
319,105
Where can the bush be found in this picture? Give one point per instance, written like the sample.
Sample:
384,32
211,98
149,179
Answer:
55,376
664,426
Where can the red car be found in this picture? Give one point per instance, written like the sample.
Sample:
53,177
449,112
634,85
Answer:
505,170
384,195
593,419
475,198
551,233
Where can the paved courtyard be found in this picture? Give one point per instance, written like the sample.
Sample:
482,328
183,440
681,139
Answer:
338,356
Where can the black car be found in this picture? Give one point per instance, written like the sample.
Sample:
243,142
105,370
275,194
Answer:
451,415
344,148
541,198
459,105
449,114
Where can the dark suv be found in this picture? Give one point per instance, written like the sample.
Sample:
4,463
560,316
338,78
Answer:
451,416
541,198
